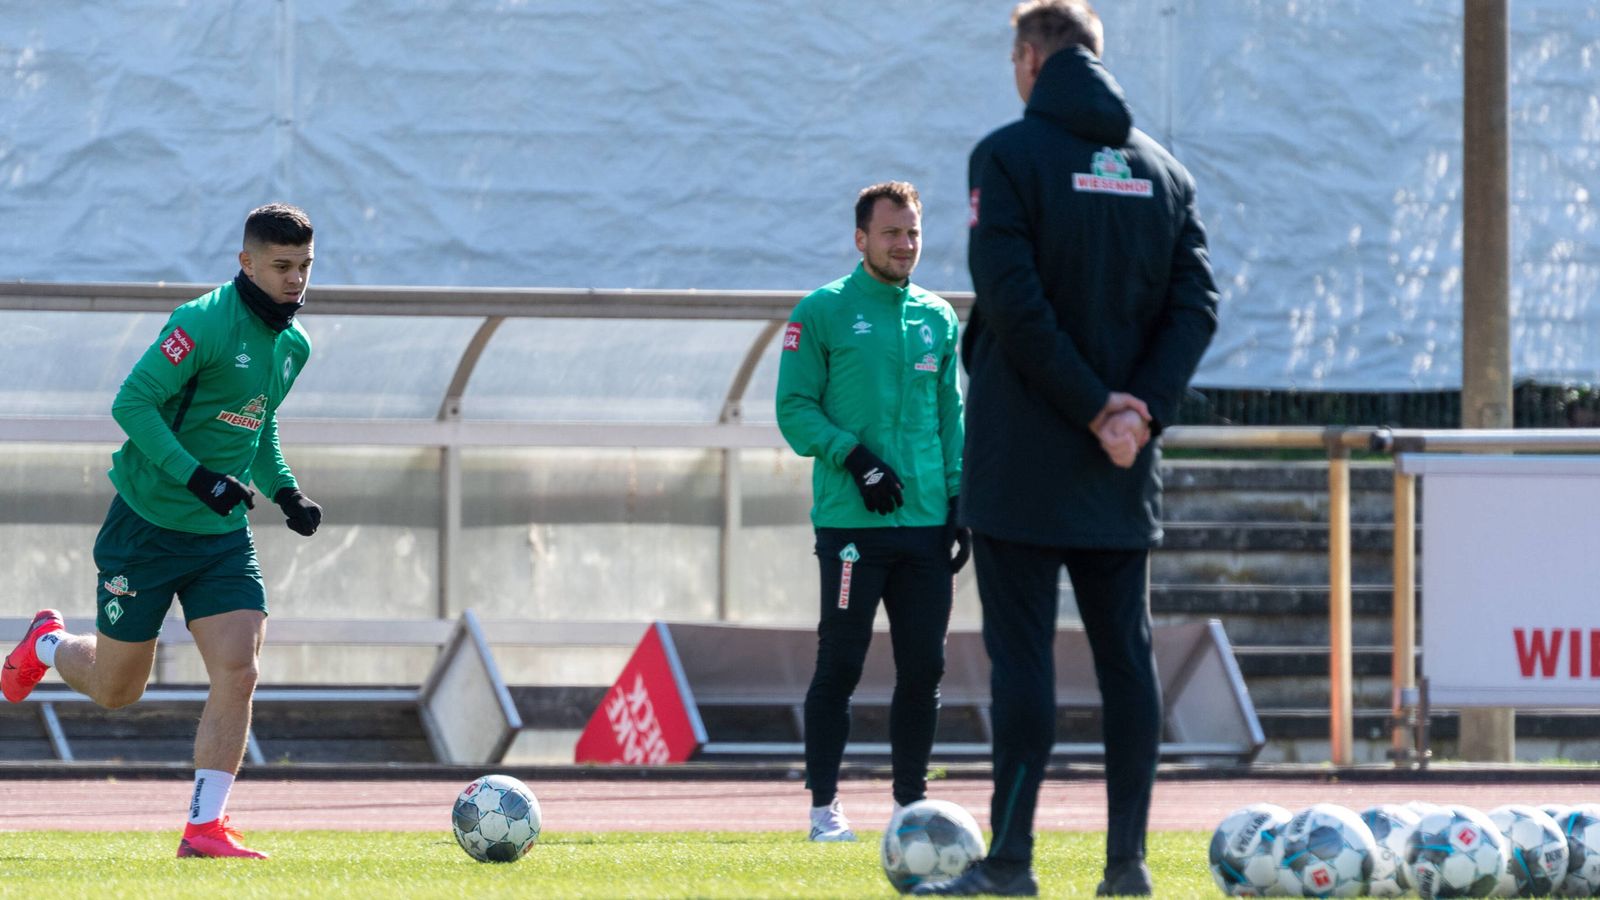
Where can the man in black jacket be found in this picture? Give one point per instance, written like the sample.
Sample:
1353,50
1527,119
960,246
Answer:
1095,302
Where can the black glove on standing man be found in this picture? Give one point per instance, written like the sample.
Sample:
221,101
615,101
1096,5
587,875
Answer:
880,487
958,535
218,491
304,514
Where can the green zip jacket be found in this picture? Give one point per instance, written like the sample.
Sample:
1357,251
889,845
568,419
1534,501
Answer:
865,362
206,392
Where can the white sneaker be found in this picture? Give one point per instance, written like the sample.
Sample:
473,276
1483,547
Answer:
828,824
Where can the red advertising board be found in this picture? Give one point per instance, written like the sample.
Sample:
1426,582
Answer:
646,716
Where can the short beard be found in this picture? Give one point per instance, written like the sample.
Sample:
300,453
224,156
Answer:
881,275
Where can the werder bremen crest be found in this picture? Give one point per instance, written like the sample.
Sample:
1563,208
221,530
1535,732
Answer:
1111,163
117,587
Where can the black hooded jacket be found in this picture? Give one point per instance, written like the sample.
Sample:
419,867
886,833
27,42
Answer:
1091,273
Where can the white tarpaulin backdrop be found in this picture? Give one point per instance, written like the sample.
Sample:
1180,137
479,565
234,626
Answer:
719,144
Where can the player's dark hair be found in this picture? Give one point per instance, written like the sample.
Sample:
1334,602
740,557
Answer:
901,192
1051,25
277,223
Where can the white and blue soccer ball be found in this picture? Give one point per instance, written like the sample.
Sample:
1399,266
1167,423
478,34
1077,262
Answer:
929,840
1240,857
1557,811
1422,808
496,819
1455,851
1391,825
1325,851
1536,848
1581,825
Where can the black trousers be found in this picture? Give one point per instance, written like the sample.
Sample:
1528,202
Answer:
909,570
1018,585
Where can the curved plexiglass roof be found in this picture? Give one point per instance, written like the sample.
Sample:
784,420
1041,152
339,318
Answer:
531,356
593,370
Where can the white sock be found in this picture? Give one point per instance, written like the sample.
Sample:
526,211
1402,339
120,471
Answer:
45,647
211,789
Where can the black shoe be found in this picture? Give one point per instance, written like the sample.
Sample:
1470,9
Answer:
1125,879
983,880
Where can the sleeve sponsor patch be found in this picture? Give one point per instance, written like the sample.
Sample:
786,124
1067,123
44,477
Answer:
791,336
972,218
176,346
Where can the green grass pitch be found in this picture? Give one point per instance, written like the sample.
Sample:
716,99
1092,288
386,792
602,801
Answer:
396,865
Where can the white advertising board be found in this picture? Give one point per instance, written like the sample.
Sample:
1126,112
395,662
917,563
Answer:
1510,546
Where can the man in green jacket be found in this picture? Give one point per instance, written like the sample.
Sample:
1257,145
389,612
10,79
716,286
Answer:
200,411
868,386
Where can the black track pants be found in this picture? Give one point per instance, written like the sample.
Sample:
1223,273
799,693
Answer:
1018,584
909,569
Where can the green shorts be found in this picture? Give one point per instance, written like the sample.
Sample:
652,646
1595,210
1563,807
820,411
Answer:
143,566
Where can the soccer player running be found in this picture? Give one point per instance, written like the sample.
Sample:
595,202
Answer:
199,409
1095,301
867,385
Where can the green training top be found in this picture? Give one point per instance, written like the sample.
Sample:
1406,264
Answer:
206,392
865,362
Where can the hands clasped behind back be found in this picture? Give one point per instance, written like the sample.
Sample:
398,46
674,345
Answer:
1122,427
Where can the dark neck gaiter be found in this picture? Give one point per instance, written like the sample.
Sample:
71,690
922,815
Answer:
277,316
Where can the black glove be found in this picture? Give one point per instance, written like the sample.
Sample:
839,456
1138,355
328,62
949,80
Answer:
959,535
304,514
218,491
879,486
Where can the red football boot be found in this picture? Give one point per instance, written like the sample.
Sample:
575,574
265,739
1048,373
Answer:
22,669
214,839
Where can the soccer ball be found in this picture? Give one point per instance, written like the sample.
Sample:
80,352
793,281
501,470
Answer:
929,840
1241,851
1581,825
1391,824
1557,811
1537,848
496,819
1325,851
1422,808
1456,851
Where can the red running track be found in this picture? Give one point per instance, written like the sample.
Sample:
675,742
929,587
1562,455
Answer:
744,805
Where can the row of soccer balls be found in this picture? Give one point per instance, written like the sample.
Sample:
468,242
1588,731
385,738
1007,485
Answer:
1327,850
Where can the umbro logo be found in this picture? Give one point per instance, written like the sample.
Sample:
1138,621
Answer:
873,476
242,361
